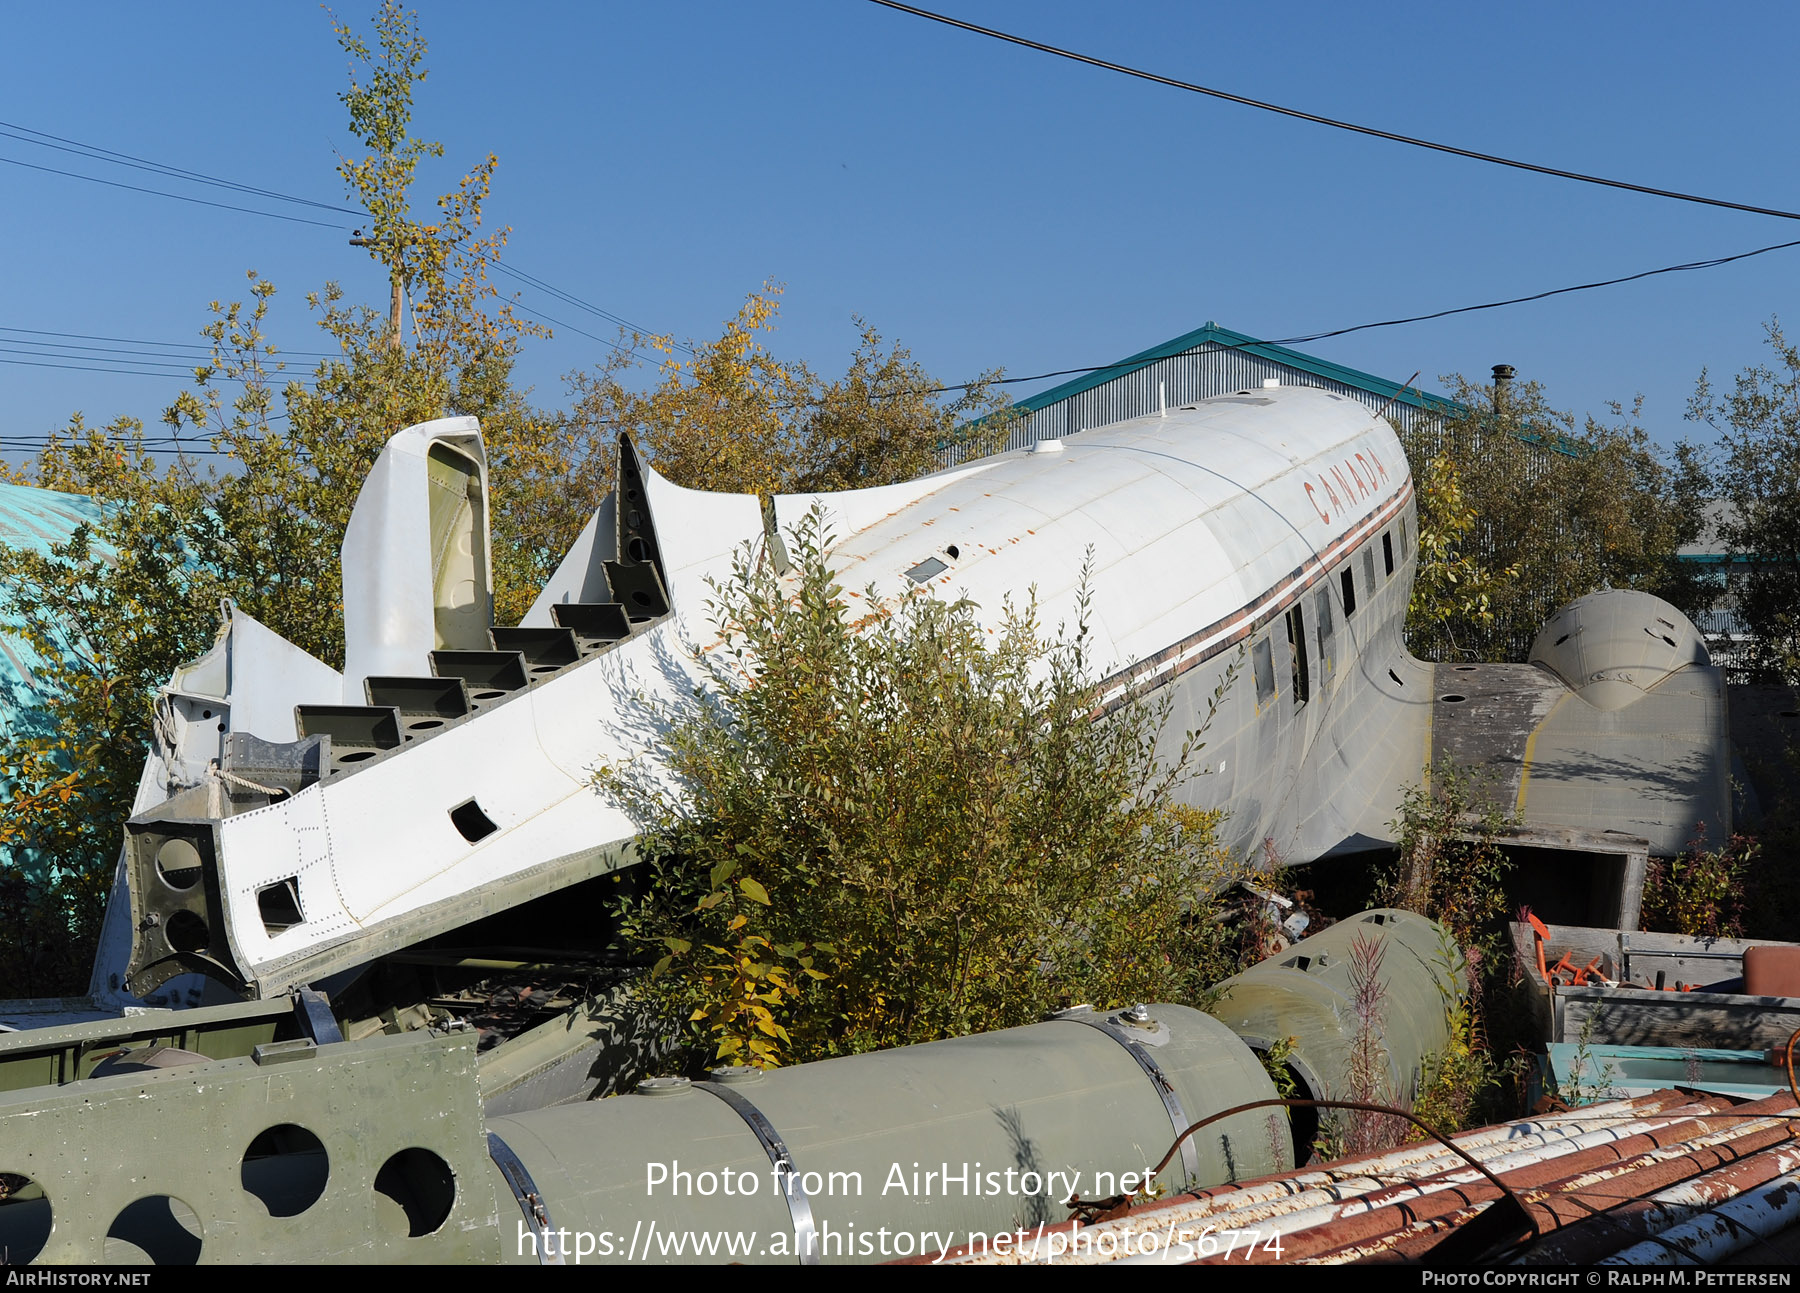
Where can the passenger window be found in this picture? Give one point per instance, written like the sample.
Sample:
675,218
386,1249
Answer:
1296,631
1369,570
1322,613
1347,579
1262,660
1387,550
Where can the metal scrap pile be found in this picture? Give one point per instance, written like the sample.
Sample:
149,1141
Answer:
1672,1178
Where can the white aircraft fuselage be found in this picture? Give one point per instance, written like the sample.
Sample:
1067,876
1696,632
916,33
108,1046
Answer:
1268,535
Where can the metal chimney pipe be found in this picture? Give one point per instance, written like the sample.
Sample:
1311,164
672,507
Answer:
1503,375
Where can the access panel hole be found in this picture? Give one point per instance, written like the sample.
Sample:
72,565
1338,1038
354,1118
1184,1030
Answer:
425,724
639,550
1451,698
178,863
489,695
357,756
24,1219
156,1231
419,1190
279,904
286,1167
471,821
186,932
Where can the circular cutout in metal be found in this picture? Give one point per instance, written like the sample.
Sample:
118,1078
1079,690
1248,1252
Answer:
25,1218
286,1167
186,932
415,1191
178,864
159,1230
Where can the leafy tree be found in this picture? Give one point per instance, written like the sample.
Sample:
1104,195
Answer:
119,608
907,827
1757,477
1453,592
1531,513
734,418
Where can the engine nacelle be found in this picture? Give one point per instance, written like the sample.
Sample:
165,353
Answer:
1611,647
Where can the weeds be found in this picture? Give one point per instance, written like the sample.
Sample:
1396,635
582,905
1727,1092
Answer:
1700,893
1575,1089
1448,865
1463,1080
1367,1133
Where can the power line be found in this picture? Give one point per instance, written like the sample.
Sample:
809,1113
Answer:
97,153
204,358
114,157
139,341
630,354
179,197
532,281
13,130
178,375
1131,365
1333,122
181,375
165,447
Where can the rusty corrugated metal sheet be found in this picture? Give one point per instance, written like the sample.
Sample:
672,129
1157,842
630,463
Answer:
1678,1177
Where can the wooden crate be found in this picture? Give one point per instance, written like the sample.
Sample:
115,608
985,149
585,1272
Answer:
1720,1016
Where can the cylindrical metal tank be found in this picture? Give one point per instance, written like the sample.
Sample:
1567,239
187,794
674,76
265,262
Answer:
1308,993
975,1135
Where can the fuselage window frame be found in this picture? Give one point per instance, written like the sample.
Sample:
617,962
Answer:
1262,664
1296,631
1327,634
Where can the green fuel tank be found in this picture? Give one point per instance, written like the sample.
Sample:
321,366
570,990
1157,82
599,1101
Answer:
918,1148
1309,993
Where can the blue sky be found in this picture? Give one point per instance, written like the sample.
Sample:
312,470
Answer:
986,205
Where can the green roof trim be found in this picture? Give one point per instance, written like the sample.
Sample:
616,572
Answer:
1225,339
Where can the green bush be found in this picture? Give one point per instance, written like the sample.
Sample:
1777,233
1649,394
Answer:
907,827
1700,893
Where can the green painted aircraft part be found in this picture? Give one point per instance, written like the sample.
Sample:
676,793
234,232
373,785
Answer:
354,1151
864,1131
1308,993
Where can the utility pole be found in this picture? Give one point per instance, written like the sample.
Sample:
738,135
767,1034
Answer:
396,290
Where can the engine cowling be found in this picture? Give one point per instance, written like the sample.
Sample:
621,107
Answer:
1612,647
